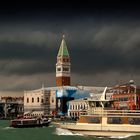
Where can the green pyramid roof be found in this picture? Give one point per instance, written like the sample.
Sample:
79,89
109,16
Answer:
63,51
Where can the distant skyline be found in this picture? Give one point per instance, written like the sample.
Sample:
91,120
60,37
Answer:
103,39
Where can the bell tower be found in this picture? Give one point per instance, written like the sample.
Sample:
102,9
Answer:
63,65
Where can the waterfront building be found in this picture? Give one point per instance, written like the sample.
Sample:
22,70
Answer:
76,107
39,102
50,100
66,95
126,96
36,101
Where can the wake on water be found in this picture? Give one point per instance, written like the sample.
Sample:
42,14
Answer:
7,128
122,137
60,131
119,137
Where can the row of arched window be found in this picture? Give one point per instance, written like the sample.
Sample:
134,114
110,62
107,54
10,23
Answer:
33,114
77,107
33,100
74,114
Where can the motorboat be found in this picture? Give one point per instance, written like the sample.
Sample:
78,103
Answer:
29,122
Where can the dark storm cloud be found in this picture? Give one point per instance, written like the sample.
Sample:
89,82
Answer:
23,59
20,67
110,48
103,39
100,46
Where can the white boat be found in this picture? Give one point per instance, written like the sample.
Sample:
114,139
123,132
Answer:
102,120
107,123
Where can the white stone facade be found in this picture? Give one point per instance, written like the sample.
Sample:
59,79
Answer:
76,107
39,102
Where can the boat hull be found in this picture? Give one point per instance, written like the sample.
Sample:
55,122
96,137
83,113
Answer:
102,130
105,133
30,125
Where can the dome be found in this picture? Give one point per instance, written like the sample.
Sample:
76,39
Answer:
131,82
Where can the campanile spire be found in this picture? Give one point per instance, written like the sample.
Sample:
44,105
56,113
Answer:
63,65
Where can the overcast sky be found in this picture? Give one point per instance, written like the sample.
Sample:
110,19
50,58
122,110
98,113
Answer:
103,39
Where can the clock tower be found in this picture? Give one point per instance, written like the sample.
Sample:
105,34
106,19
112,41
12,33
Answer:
63,65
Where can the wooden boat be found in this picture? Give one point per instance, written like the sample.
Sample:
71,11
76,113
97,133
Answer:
29,122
